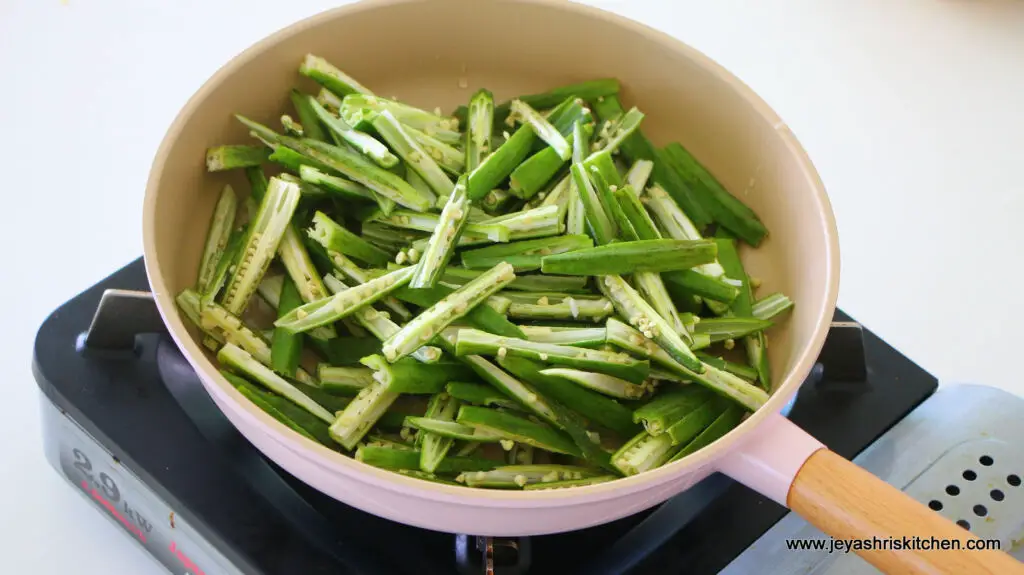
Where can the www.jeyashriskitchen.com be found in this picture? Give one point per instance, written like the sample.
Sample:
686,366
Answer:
890,544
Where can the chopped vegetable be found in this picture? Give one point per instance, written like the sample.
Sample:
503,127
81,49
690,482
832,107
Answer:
518,296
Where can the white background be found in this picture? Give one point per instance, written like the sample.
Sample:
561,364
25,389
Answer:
912,112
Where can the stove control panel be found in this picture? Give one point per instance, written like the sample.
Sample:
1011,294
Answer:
126,500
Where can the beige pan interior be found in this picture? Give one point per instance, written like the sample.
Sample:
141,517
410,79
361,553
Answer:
420,53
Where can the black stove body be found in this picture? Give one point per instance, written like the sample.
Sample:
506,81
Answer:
128,423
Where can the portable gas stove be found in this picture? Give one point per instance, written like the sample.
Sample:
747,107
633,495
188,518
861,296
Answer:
128,424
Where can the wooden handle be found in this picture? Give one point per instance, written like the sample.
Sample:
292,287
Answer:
848,503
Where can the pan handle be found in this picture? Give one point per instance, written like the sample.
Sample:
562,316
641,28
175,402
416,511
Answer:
848,503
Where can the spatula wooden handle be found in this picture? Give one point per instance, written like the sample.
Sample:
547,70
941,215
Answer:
848,503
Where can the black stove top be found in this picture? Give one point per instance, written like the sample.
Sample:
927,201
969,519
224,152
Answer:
146,408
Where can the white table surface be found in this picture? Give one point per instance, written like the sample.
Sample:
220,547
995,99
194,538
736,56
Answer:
910,110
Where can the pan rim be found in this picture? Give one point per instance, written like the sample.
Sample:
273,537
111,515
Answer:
338,463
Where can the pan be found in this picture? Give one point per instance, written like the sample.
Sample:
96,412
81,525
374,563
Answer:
428,53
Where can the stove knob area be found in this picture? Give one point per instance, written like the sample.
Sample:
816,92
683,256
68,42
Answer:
492,555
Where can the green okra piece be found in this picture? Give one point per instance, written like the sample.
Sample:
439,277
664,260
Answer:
549,410
475,342
677,225
416,473
650,285
388,238
717,380
232,157
594,407
330,77
746,372
516,476
439,250
602,383
482,317
308,117
535,222
643,453
344,380
332,236
358,109
523,255
189,303
558,196
225,327
630,257
518,429
638,175
725,208
350,270
496,200
570,309
755,344
391,421
569,284
696,283
289,159
349,164
549,297
361,141
281,409
530,177
262,239
479,123
623,128
569,483
222,224
771,306
451,430
479,394
589,90
437,317
262,402
472,233
630,305
591,337
291,127
330,402
409,376
404,459
449,158
509,155
602,164
328,99
300,268
541,127
257,182
633,210
497,166
380,324
381,440
237,359
576,214
286,348
666,409
638,147
729,419
697,420
361,414
723,328
598,222
434,447
342,304
415,158
346,189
